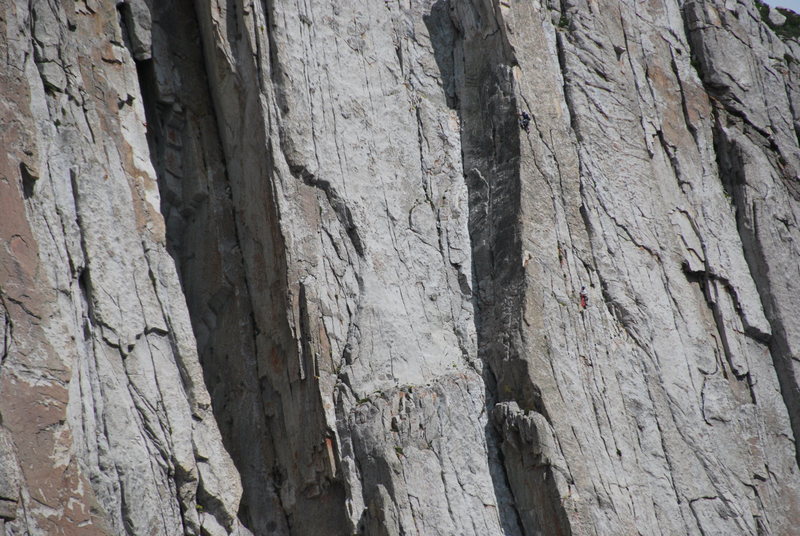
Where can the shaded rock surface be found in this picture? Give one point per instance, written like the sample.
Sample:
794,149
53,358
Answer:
296,268
107,427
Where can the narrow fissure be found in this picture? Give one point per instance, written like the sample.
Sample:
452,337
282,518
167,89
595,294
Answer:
8,334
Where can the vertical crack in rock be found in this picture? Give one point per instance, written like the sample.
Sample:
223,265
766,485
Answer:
489,106
263,374
203,235
8,334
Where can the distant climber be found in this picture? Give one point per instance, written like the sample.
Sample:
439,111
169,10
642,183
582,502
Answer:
525,122
584,298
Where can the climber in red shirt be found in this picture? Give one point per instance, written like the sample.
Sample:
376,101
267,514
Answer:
584,298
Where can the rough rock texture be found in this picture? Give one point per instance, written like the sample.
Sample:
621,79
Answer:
381,271
107,426
661,402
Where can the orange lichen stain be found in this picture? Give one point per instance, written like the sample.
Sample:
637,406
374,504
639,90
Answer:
35,414
19,247
331,456
275,360
15,231
34,380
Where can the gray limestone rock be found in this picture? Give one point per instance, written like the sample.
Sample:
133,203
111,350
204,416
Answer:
106,424
776,17
422,267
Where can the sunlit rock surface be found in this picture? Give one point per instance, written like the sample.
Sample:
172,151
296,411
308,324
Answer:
300,268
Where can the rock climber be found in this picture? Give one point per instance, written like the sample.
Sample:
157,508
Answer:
584,298
525,122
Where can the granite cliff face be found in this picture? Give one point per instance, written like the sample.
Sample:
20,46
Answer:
295,268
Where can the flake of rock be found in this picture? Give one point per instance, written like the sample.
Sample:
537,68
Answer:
776,17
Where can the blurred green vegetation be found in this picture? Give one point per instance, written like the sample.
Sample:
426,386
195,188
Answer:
789,29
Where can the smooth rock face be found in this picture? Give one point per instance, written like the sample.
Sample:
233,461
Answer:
378,318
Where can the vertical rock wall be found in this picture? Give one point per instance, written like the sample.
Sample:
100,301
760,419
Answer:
658,405
383,270
106,423
755,105
352,215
